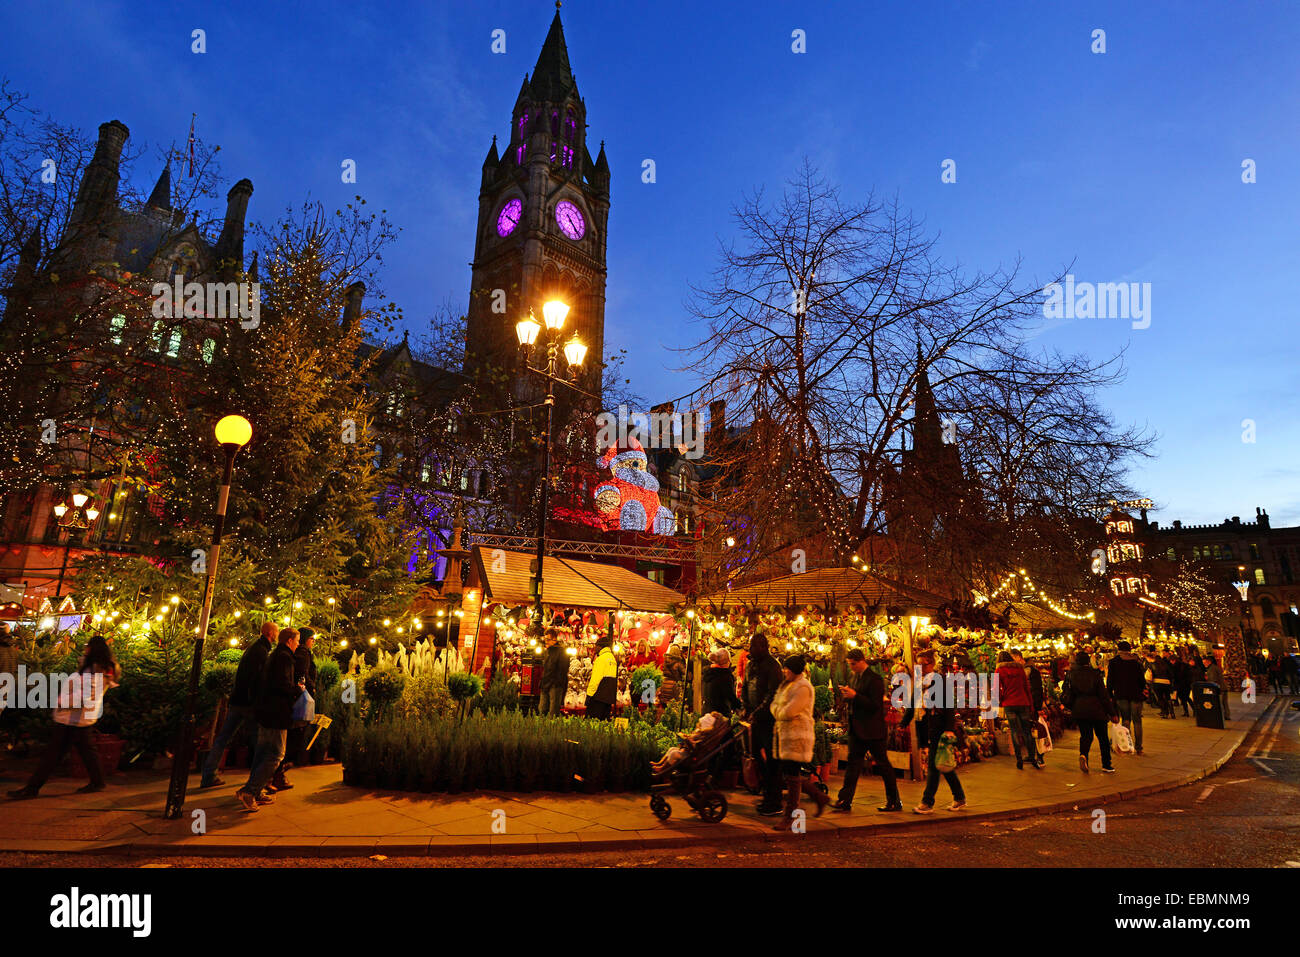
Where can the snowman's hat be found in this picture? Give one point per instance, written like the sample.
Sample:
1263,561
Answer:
617,456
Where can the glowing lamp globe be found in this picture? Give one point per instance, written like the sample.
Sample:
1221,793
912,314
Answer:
79,499
555,312
527,330
60,510
575,351
234,430
92,513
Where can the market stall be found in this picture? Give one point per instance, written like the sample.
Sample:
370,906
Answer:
584,600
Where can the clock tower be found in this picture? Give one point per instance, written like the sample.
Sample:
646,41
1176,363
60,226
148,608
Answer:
543,210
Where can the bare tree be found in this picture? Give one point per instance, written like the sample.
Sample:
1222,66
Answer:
887,401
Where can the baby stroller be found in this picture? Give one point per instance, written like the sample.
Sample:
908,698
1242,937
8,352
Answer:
690,776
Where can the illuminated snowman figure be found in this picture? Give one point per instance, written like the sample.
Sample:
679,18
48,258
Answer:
630,500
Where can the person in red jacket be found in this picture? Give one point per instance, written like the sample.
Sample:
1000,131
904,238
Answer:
1017,703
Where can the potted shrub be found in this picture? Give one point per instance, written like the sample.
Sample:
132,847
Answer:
464,686
382,688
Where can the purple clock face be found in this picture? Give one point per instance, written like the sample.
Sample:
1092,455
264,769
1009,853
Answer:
511,213
570,220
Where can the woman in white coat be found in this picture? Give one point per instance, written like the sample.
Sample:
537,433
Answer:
792,707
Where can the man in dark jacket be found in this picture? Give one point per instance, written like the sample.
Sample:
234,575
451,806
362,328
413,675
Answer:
555,676
274,713
248,680
1181,674
1126,681
304,672
762,678
868,733
1090,703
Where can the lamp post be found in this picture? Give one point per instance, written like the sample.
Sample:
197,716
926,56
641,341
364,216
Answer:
554,312
77,517
233,433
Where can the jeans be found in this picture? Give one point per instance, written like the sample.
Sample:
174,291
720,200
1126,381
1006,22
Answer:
1021,722
64,737
859,748
1130,714
236,716
270,752
1086,730
932,780
550,701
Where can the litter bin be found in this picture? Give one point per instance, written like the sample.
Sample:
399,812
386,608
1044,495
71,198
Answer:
1207,701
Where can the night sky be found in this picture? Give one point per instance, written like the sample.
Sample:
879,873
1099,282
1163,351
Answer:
1127,164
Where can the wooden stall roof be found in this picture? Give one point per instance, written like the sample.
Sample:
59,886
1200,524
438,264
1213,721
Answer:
569,582
845,586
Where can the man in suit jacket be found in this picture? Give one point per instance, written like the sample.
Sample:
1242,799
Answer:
867,733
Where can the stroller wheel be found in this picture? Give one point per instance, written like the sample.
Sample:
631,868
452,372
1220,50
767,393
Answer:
821,786
660,808
712,807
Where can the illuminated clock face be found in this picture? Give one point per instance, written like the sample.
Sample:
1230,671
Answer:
570,220
511,213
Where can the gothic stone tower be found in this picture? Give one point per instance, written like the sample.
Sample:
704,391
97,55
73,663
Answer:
543,210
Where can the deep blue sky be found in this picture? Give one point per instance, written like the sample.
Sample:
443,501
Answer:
1127,163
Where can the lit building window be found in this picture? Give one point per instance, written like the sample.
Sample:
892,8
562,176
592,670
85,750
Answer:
209,350
174,344
1259,576
156,337
115,327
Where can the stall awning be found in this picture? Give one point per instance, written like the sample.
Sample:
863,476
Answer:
570,583
843,586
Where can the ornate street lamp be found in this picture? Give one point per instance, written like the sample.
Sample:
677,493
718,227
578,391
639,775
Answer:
233,433
554,313
78,516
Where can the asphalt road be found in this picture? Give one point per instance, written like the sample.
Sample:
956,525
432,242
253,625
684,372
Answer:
1246,815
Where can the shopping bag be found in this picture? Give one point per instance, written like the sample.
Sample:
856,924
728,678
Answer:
304,710
1120,739
1043,736
753,780
945,753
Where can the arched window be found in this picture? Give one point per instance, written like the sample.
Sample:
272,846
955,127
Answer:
174,344
1266,606
1169,553
1117,586
209,350
116,326
156,337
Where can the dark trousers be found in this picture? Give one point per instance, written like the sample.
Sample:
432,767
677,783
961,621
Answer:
1161,693
1086,731
64,737
859,748
1185,699
761,747
932,780
598,709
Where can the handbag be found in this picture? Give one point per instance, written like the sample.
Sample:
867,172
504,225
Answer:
945,753
304,710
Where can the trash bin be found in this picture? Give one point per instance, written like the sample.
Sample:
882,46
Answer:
1208,703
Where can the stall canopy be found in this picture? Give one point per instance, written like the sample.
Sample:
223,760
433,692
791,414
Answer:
570,583
840,586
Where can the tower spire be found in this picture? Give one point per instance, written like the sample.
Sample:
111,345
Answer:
552,78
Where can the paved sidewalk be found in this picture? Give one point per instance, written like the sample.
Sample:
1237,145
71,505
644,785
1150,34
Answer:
322,817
